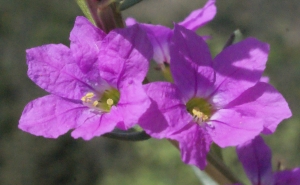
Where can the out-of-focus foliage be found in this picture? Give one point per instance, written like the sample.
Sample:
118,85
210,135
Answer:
26,159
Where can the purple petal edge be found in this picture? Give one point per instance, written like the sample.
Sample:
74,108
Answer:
50,116
255,157
200,17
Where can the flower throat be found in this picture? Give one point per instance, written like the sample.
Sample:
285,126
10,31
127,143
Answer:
200,109
108,98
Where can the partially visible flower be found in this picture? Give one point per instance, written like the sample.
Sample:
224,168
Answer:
255,157
220,100
95,85
160,35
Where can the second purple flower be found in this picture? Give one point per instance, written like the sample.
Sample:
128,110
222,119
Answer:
219,100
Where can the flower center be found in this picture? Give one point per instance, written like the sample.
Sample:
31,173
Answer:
200,109
108,98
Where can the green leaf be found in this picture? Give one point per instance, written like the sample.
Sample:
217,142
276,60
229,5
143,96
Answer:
83,6
235,37
125,4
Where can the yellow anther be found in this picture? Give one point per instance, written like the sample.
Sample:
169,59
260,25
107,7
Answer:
88,97
95,103
199,115
83,99
110,102
196,112
205,117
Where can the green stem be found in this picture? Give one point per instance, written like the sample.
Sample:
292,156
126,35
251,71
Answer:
219,171
106,14
84,8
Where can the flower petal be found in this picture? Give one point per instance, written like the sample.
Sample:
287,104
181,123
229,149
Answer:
50,116
94,125
132,105
124,56
159,37
265,102
52,67
229,127
194,145
200,17
265,79
191,63
85,38
167,113
255,157
287,177
239,67
130,21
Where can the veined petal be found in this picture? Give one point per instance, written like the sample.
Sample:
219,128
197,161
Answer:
85,40
167,113
124,56
52,67
93,125
265,102
132,105
239,67
287,177
255,157
194,144
85,32
200,17
228,127
50,116
159,37
191,63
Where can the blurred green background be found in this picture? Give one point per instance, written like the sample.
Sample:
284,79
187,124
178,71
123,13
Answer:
30,160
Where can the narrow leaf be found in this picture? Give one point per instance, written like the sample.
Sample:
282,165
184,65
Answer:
83,6
125,4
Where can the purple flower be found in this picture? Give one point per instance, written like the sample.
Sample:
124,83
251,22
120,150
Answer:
255,156
220,100
160,35
95,85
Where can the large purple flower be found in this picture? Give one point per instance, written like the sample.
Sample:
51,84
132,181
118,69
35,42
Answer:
256,156
220,100
95,85
160,35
